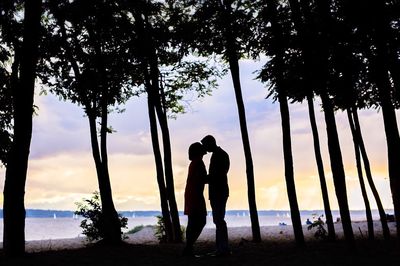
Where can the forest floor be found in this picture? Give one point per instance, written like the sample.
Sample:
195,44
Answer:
243,253
277,248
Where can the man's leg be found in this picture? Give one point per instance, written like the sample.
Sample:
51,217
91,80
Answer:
221,236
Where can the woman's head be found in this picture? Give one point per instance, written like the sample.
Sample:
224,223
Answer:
196,150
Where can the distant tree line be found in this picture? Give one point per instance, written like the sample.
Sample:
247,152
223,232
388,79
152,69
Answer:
100,53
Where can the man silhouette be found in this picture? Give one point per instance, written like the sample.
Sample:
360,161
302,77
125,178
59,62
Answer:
218,191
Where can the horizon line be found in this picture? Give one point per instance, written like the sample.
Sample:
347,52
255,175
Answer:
287,210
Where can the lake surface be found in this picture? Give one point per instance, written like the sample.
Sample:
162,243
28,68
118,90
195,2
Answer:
56,227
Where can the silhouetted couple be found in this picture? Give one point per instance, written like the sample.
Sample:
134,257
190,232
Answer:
218,191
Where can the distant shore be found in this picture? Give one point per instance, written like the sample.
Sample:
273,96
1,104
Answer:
47,213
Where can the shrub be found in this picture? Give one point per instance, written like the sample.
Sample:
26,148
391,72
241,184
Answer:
93,222
160,232
319,224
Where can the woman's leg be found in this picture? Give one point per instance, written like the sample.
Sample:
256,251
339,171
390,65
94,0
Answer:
200,222
190,236
194,228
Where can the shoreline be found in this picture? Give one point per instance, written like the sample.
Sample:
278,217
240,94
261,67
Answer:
273,233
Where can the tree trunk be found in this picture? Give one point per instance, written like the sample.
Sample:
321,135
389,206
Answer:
17,162
360,176
382,213
150,61
159,166
255,227
277,44
289,174
112,229
393,148
304,33
169,176
320,166
324,42
380,69
333,138
233,59
113,225
339,178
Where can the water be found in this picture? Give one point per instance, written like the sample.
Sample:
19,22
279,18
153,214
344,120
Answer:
69,227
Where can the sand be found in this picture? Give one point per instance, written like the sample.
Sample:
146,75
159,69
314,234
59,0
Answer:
268,233
277,248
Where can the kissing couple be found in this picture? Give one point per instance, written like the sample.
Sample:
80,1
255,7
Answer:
218,192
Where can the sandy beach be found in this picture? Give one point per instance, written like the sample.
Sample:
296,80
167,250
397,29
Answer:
236,234
277,248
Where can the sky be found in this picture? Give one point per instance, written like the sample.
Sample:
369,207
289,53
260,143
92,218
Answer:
62,172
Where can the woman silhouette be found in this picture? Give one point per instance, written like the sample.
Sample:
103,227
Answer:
195,205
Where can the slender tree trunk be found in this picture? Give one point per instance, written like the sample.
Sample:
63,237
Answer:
382,213
159,166
304,32
380,69
233,59
289,174
169,176
333,138
337,167
390,126
150,60
393,148
17,162
320,166
112,229
112,217
163,122
368,212
255,227
277,44
324,42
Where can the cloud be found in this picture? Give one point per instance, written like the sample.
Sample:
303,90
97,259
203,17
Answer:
62,127
59,127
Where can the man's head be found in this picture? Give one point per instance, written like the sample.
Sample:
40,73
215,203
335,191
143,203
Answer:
209,143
